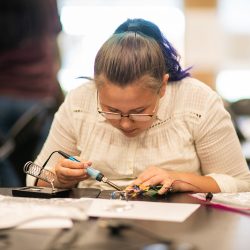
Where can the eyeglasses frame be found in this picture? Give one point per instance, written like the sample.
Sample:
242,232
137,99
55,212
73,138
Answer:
125,115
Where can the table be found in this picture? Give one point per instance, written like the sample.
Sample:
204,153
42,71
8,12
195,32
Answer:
208,228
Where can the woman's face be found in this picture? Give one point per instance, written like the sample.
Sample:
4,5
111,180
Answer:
133,99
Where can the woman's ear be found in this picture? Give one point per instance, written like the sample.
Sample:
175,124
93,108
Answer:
164,85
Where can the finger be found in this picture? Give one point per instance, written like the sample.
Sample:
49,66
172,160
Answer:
68,172
143,178
154,180
71,175
71,168
73,178
66,163
138,181
70,182
67,184
146,175
167,185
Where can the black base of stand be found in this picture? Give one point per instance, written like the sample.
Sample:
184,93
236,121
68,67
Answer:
40,192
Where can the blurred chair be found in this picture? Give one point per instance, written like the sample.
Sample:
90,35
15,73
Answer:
241,107
23,141
235,122
240,113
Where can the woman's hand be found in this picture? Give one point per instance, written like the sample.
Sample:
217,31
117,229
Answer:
155,175
70,173
178,181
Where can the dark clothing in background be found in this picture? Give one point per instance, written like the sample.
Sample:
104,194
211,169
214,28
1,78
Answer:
29,70
28,48
29,62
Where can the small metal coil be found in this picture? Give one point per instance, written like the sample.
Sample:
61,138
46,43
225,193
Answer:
32,169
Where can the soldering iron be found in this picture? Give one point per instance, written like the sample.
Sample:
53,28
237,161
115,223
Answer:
95,174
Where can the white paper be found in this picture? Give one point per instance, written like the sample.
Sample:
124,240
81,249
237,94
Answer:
47,223
141,210
237,200
16,212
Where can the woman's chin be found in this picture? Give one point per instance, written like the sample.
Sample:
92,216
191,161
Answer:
130,133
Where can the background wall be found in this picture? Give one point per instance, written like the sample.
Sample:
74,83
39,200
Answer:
212,36
217,44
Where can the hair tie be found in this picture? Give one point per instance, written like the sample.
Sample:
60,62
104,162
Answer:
133,27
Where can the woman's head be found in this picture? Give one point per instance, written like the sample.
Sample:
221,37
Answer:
131,72
137,49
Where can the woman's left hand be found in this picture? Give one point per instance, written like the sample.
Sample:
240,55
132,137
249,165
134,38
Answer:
176,181
155,175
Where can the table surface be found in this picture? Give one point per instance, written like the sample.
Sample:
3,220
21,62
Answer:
207,228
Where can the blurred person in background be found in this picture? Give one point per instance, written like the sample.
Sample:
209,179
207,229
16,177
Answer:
29,62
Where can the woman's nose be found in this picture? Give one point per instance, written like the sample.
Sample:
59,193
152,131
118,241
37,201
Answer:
125,122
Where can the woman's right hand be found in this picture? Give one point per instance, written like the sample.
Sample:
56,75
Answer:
70,173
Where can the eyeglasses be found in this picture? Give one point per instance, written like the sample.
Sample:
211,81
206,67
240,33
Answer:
119,116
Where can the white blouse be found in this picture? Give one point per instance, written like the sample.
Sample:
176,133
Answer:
192,133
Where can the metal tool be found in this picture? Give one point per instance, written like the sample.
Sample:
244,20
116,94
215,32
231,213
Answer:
40,173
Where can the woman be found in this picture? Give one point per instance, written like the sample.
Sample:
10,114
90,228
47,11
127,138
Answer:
144,116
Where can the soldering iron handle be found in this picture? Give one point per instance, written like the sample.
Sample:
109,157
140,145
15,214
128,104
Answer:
95,173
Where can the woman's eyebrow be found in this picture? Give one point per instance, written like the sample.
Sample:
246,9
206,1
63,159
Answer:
131,110
137,109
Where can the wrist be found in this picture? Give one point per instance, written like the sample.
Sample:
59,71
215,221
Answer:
190,182
186,182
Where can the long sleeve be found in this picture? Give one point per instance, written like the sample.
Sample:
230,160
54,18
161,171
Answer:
219,150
